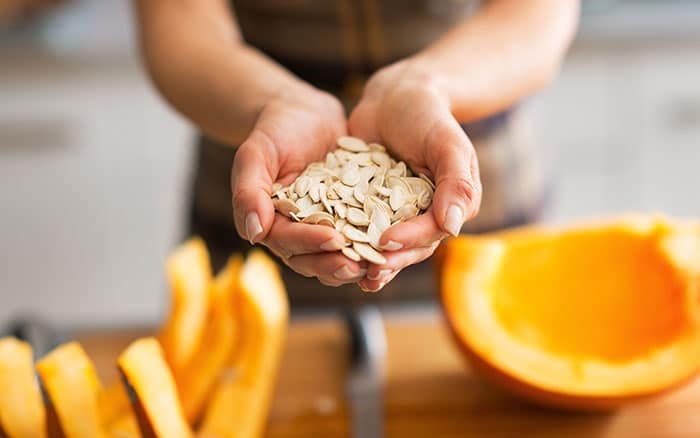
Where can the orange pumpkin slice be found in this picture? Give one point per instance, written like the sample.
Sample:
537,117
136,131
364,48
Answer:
585,317
241,401
113,402
124,427
72,386
217,343
158,410
190,277
22,412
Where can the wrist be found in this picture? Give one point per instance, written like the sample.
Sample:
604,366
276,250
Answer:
422,71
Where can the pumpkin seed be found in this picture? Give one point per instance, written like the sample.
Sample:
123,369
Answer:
357,217
351,254
341,209
350,175
315,208
352,144
368,253
380,218
304,203
302,185
398,198
373,234
354,234
285,206
324,199
320,218
404,213
425,178
359,190
376,147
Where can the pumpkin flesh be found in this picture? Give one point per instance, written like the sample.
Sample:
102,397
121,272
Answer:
189,274
585,317
157,407
217,343
22,412
241,401
72,386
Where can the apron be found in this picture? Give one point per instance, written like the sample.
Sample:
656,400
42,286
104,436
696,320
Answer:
336,45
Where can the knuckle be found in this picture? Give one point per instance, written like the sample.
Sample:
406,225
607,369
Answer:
464,187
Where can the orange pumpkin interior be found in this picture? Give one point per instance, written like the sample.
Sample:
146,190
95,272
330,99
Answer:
571,317
583,295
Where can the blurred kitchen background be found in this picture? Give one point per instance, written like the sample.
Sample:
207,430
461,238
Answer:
94,168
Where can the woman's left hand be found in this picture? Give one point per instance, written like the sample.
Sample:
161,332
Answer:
404,108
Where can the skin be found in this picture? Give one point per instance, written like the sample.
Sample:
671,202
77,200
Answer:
238,96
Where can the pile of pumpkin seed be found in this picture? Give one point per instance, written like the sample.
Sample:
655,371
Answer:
361,191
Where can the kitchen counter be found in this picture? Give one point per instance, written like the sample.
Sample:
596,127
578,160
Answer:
429,390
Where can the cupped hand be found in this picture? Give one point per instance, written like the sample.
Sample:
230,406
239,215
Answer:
292,131
404,108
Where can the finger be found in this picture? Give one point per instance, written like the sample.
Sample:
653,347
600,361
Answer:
287,238
332,268
255,167
419,231
379,275
453,160
377,285
363,121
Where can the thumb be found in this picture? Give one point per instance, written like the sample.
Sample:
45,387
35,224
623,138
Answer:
363,121
456,172
254,169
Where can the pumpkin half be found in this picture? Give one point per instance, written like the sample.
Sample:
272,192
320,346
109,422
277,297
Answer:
584,317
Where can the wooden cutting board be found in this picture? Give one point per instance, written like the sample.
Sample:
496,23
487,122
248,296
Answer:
429,392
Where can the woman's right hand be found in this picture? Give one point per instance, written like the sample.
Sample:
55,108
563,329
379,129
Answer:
292,130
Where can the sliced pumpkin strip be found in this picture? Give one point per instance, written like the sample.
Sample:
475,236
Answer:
241,401
586,317
22,412
189,274
113,402
124,427
157,407
72,386
216,345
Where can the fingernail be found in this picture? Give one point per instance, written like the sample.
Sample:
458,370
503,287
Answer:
332,245
345,273
367,289
382,273
252,226
453,220
392,246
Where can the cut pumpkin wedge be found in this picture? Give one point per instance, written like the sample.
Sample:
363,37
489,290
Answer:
217,343
157,407
113,402
72,386
241,400
189,274
124,427
584,317
22,412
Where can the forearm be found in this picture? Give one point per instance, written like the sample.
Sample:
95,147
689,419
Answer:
508,50
200,65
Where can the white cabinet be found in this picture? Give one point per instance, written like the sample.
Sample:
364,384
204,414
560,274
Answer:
93,189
